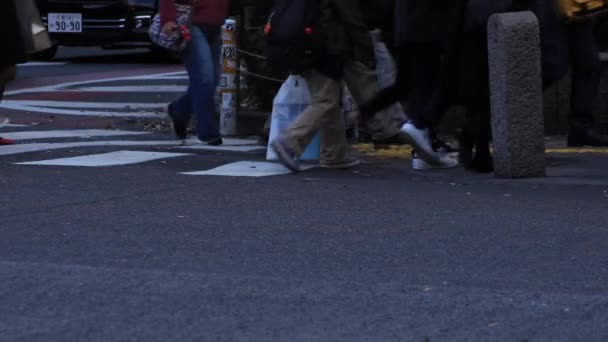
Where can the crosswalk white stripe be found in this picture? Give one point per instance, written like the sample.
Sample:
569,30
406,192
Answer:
108,159
160,76
194,144
29,64
36,147
11,125
73,104
224,148
138,89
84,133
170,78
60,86
57,111
246,169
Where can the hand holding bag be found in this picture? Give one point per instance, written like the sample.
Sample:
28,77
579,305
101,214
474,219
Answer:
178,39
292,99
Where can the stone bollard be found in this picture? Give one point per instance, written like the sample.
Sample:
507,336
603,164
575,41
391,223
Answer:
516,95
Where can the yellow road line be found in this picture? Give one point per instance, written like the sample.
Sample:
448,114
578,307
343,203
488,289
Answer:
405,151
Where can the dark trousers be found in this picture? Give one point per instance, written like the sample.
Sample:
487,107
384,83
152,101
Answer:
570,46
584,60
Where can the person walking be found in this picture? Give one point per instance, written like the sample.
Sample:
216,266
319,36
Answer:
13,48
201,58
349,57
422,31
572,45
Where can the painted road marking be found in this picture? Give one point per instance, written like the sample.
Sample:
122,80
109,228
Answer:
37,147
576,150
230,144
405,151
11,125
90,105
193,142
84,133
6,123
225,148
133,89
33,64
97,109
246,169
108,159
48,110
62,86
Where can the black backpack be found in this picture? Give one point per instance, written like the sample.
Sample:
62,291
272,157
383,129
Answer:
294,37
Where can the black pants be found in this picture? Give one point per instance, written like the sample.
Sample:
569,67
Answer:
570,46
584,59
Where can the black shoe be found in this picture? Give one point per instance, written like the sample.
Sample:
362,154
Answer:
213,142
444,147
179,126
586,137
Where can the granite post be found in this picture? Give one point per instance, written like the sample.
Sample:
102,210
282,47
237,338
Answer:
516,95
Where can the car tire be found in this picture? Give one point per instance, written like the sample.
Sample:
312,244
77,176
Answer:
46,55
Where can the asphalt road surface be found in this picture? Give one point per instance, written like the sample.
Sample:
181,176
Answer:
122,234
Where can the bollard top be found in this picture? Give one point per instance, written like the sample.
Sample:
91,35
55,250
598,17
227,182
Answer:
514,24
513,19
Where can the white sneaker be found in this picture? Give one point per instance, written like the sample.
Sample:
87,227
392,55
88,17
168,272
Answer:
421,141
445,162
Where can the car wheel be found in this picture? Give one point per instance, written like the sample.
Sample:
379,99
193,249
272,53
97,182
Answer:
45,55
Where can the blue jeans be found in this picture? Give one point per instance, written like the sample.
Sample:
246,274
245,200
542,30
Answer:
201,58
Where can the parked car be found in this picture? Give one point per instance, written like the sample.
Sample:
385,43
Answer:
106,23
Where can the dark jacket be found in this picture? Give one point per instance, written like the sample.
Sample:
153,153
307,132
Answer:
13,50
347,33
423,21
554,41
379,15
347,36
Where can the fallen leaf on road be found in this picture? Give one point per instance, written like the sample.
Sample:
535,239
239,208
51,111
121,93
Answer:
492,324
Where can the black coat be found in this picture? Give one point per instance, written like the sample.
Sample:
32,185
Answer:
423,21
13,50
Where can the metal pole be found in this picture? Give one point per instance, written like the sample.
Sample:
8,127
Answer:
229,79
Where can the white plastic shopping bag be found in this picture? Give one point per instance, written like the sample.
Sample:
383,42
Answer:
291,101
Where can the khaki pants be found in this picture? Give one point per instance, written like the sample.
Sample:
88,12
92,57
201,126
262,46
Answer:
324,114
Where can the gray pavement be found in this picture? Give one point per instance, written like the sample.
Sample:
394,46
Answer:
142,252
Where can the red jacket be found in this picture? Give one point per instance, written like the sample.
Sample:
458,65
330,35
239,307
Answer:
205,12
